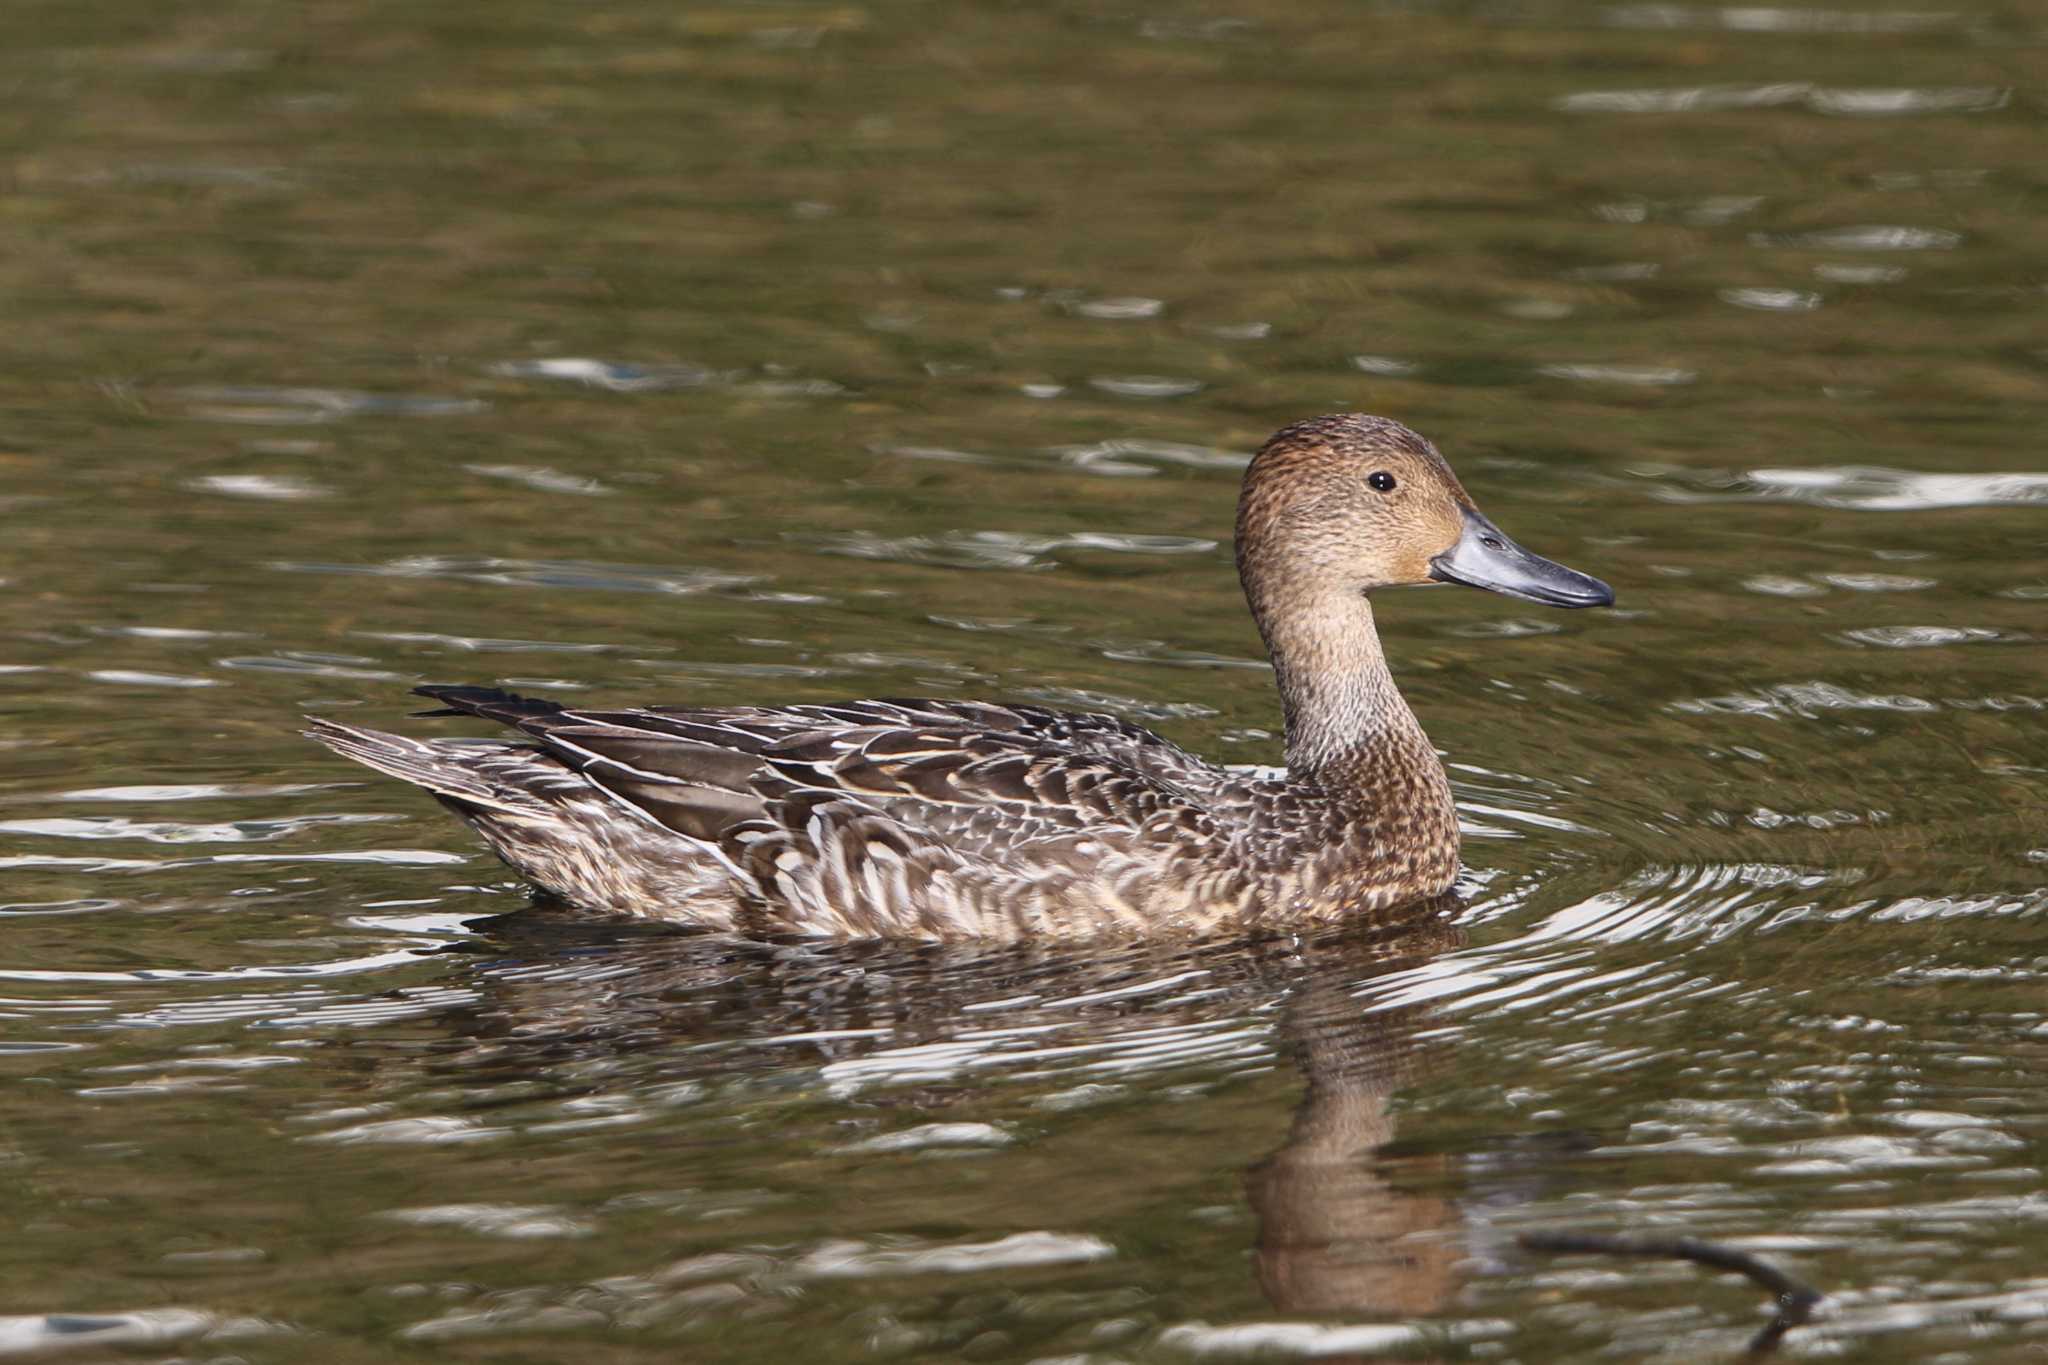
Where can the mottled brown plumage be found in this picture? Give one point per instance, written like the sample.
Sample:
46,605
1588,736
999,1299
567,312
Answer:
951,819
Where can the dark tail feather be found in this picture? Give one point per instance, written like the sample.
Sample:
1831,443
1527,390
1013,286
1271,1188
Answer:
491,703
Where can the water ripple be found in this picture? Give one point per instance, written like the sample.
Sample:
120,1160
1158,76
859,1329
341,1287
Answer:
616,376
519,1222
541,478
179,832
934,1136
1873,237
430,1131
1645,376
1881,103
1145,385
1124,309
1926,637
1553,960
1868,103
540,573
289,406
135,677
1779,19
313,665
1807,701
1772,300
1160,652
996,549
39,1332
751,1281
1140,457
190,791
268,487
860,1260
1861,488
483,644
387,857
1131,708
1384,365
1839,273
1253,1341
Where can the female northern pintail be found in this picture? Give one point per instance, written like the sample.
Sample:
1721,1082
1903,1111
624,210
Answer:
956,819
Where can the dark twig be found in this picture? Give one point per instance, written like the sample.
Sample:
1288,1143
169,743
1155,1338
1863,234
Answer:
1795,1298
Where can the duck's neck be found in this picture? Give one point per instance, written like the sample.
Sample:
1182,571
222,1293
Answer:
1348,728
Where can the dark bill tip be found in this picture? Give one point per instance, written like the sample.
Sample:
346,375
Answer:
1485,558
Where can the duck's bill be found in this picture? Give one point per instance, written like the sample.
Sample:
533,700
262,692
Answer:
1485,558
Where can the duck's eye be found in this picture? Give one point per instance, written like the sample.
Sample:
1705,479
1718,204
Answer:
1381,481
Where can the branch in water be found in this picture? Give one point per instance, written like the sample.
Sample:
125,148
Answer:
1796,1298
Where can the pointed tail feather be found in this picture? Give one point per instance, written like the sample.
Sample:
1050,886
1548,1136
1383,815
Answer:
491,703
446,771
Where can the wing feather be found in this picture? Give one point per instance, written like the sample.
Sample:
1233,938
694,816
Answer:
919,816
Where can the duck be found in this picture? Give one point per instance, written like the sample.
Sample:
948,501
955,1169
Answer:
944,819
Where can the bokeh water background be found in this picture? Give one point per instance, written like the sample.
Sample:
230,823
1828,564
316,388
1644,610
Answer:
792,351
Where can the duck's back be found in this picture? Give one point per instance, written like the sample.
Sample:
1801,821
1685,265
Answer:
928,818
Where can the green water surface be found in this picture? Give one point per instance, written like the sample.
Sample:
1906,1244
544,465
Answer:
720,353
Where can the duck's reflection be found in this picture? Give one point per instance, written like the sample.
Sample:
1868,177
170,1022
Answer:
1334,1236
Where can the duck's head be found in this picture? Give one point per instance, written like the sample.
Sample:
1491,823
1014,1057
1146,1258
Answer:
1352,503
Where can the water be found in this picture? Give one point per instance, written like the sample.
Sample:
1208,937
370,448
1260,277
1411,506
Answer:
801,351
